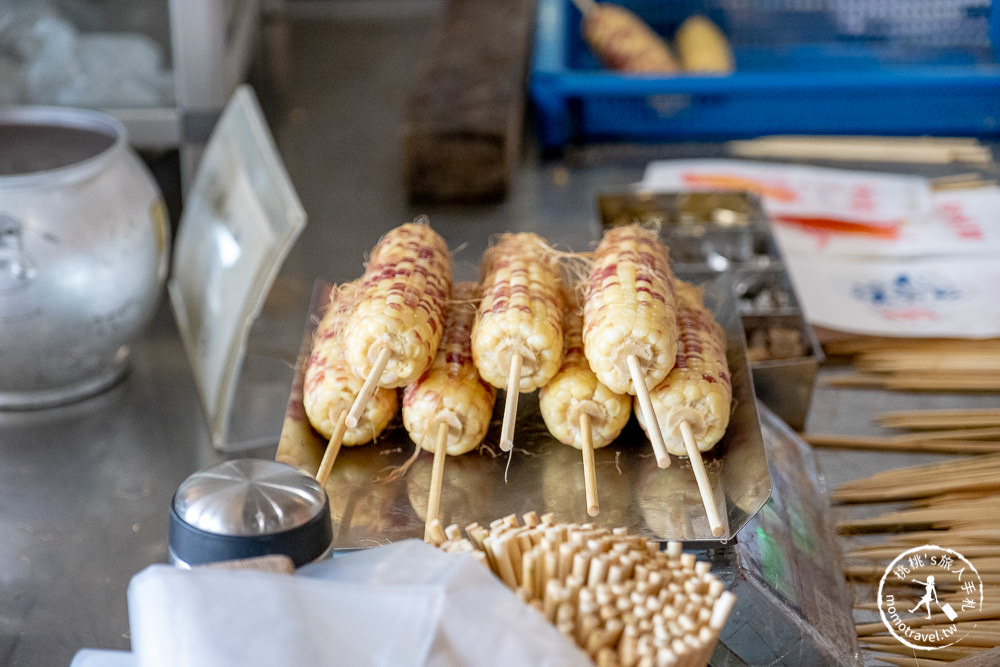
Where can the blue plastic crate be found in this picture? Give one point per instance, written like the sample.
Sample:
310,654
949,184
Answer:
916,67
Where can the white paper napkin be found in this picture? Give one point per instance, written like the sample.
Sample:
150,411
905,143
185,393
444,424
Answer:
401,604
483,622
214,618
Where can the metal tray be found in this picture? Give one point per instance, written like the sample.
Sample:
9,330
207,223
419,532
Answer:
541,474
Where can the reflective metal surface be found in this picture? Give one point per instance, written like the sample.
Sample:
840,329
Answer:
369,507
248,497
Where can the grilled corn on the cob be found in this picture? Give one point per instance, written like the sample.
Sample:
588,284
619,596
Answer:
451,389
629,309
575,391
520,312
400,305
517,341
629,318
329,387
698,390
395,329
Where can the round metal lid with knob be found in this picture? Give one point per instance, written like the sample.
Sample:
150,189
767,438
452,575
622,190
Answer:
246,508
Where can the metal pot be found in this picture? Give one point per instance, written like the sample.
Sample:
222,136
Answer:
84,244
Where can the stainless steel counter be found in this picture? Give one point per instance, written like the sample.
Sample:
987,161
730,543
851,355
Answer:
85,489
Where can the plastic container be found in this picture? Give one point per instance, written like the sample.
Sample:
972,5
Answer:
893,68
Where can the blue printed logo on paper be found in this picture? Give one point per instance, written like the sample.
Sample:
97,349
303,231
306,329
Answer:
908,297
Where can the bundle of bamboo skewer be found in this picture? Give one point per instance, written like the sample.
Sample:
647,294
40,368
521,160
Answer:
618,596
918,364
944,504
923,150
959,431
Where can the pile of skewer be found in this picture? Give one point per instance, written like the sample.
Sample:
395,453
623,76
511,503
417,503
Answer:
919,364
620,597
944,504
942,431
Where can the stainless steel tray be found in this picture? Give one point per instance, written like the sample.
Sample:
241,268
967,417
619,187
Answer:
541,474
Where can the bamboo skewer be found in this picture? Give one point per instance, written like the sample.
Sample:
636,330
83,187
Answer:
903,360
943,655
932,419
920,481
368,388
648,414
939,381
701,476
617,596
926,150
510,405
589,474
885,444
960,182
880,552
929,347
958,535
437,474
920,364
332,448
950,498
951,441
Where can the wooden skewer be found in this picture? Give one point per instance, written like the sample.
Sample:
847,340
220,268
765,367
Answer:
862,345
332,448
956,446
959,359
922,480
954,652
648,415
589,474
884,149
510,405
368,388
932,419
437,473
919,381
701,476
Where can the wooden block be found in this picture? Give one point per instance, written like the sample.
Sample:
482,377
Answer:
465,117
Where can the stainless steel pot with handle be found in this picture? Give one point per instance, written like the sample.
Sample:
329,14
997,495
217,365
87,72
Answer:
84,245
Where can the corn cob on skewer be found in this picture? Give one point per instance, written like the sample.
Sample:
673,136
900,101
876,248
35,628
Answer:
329,386
395,329
629,318
577,408
448,409
623,41
451,390
692,404
517,341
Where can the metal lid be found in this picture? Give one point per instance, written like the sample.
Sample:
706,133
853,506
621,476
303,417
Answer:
249,507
